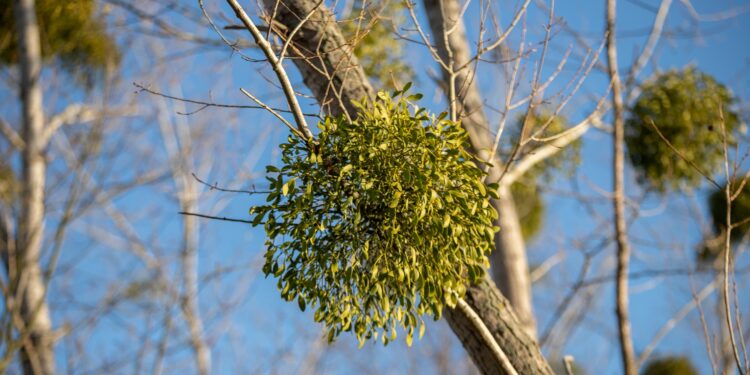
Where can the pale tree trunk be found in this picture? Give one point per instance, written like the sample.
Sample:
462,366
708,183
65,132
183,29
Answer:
178,144
510,268
189,260
336,70
37,355
627,353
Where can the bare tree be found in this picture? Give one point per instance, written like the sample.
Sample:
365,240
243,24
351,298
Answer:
27,285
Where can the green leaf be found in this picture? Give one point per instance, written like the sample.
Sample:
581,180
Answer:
406,87
346,168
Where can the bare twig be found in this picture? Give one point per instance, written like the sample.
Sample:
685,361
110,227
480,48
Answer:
286,85
271,111
215,186
206,104
11,135
220,218
682,156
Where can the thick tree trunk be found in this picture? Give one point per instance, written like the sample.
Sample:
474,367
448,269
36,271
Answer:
498,316
37,354
350,83
328,66
510,268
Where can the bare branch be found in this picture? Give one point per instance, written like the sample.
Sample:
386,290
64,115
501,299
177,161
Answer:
206,104
11,135
299,118
682,156
549,149
681,314
74,113
220,218
715,17
653,39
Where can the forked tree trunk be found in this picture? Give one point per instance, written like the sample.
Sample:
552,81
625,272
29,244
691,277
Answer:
334,76
37,355
510,268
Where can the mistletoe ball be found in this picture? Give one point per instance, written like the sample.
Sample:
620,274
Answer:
687,111
381,220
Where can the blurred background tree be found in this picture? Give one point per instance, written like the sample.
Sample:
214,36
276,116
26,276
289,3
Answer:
72,33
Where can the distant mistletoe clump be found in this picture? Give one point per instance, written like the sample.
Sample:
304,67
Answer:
527,189
381,220
692,112
71,32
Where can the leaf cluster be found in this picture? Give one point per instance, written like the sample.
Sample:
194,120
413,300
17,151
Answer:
381,221
71,32
691,110
379,52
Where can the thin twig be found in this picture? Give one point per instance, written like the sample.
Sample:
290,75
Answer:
215,186
682,156
271,111
728,246
206,104
221,218
286,85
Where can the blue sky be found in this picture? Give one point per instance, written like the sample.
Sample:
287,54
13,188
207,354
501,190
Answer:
259,333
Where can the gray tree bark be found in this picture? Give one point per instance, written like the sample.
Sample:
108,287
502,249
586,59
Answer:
320,52
510,268
37,355
331,71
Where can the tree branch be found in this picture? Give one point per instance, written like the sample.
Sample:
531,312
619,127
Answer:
629,364
299,118
11,135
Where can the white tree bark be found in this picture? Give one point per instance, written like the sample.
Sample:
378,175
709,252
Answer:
37,352
179,147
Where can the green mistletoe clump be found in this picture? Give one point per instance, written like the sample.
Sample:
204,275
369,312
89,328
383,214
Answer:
381,220
692,111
